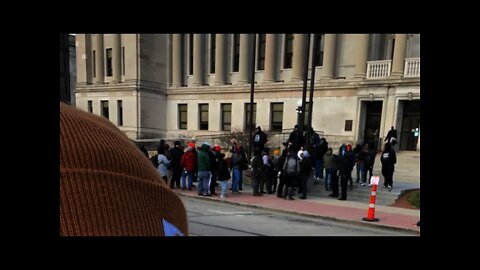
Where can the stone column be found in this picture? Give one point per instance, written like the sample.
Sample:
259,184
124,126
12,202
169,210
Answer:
221,59
361,54
329,56
245,49
88,58
299,61
399,55
198,60
117,57
99,59
271,58
177,60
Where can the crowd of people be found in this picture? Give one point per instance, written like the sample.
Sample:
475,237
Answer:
284,172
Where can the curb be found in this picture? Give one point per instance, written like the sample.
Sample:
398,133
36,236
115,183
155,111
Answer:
359,222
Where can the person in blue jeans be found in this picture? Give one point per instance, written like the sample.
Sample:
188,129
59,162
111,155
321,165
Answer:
328,162
204,170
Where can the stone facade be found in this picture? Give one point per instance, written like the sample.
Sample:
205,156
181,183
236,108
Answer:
151,74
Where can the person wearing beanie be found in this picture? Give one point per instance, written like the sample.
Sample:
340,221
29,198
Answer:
108,187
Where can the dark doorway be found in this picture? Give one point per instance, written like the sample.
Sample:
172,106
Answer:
373,119
410,126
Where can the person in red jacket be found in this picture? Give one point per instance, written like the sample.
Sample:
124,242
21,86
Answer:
188,164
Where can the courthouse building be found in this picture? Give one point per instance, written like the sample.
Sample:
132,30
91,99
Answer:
168,85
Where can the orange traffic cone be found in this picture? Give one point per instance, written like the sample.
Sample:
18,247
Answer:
371,207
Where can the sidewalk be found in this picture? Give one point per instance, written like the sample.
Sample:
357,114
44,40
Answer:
331,208
406,177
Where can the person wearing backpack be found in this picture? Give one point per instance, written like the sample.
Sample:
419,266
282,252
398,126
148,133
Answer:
291,169
223,174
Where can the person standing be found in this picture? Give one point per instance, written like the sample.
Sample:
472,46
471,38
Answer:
176,154
143,149
204,170
188,164
163,163
257,172
388,160
223,174
291,169
259,139
328,162
392,136
305,170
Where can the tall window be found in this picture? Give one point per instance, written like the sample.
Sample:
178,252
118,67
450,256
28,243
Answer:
109,62
226,116
123,60
288,51
212,53
261,52
182,116
319,52
120,112
90,106
236,52
276,123
94,65
190,56
104,109
203,108
247,116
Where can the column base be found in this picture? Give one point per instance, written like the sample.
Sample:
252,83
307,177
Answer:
397,74
361,76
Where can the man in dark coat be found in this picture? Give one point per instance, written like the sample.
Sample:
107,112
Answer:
392,136
388,160
259,139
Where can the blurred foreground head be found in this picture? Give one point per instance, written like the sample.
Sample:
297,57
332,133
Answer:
108,187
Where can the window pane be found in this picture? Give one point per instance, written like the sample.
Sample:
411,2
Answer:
182,116
104,104
120,112
109,62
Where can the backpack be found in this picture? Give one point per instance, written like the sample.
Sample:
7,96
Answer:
154,160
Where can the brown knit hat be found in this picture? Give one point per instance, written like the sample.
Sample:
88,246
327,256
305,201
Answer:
107,185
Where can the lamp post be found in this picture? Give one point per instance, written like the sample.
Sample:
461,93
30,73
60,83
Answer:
299,113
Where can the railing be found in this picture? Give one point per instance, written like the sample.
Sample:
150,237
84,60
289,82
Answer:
378,69
412,68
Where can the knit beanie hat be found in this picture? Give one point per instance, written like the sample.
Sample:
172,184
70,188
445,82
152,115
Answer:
108,187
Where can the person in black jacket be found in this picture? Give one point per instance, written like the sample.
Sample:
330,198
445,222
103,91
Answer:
176,154
388,160
297,139
223,174
392,136
345,169
259,139
143,149
305,170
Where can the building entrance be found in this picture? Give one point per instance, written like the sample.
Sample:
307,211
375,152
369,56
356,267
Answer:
410,131
373,116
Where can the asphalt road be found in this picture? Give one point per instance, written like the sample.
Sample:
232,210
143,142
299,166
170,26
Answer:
207,218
